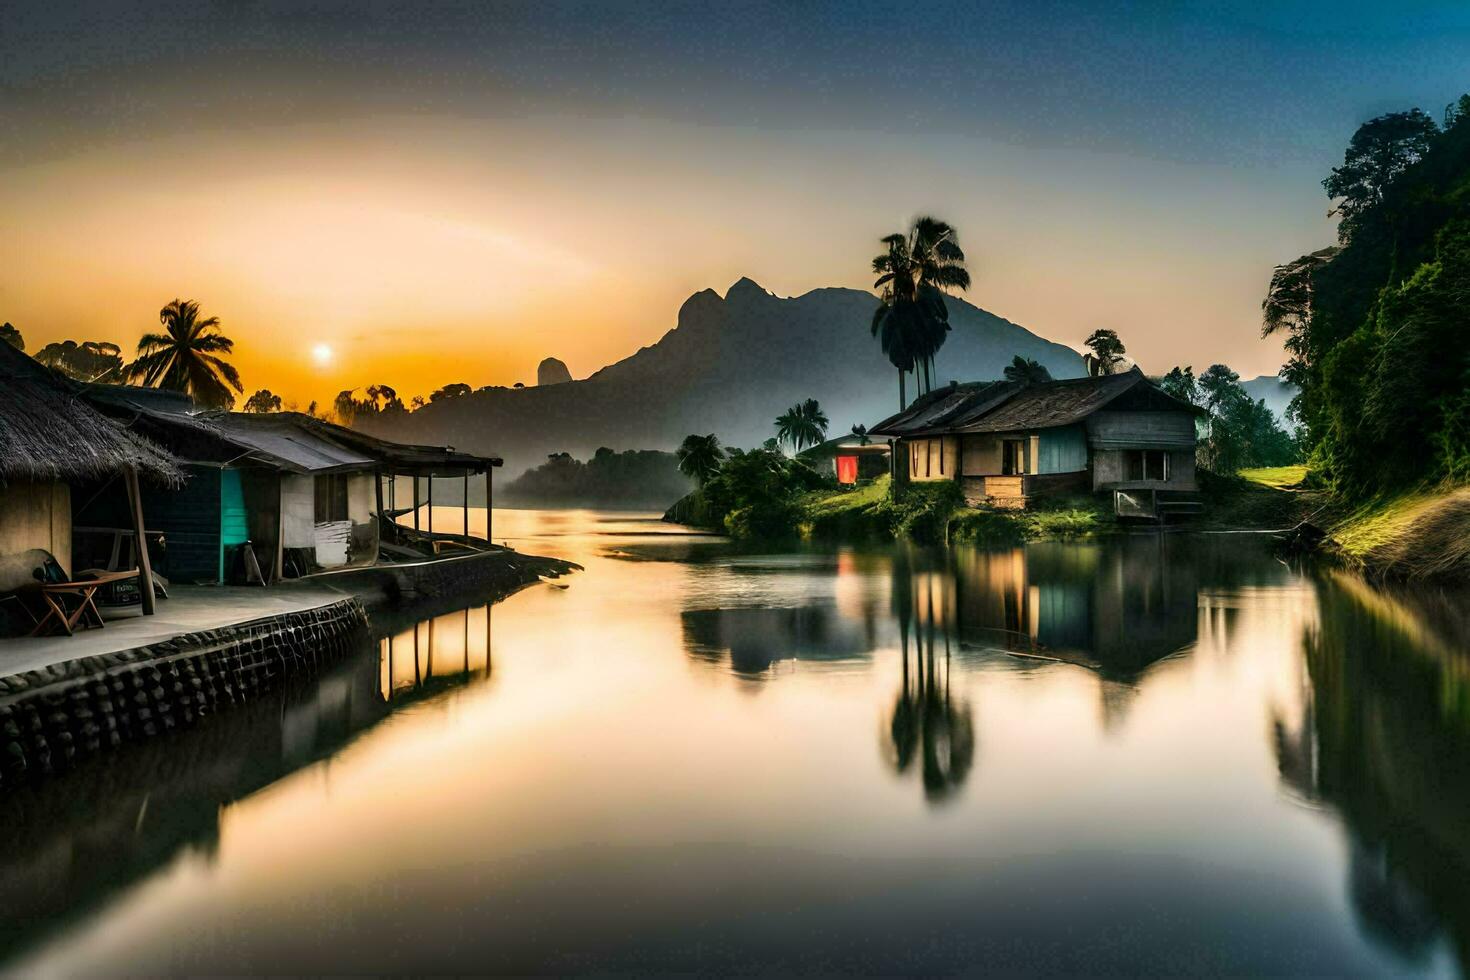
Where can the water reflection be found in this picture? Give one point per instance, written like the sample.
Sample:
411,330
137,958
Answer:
1384,740
74,842
929,723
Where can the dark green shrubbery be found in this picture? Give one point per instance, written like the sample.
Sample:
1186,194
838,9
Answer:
921,511
754,495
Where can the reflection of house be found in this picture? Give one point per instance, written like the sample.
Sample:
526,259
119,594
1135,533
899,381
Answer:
305,493
1007,443
1120,607
56,452
755,638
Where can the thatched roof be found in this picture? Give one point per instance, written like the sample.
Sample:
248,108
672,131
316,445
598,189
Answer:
1011,406
48,432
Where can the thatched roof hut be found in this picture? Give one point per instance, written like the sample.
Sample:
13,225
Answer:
49,432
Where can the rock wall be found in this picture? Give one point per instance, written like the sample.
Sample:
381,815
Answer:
51,717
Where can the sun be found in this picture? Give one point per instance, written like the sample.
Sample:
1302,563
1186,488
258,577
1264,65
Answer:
321,354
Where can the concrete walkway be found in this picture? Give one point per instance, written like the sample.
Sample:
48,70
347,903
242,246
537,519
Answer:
188,609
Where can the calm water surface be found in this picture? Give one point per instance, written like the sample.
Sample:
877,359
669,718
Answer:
1150,754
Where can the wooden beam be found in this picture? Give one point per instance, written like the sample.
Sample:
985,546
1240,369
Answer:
145,567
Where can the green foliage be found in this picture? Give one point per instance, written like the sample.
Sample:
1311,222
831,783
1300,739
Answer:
1375,330
633,478
700,457
1181,383
1107,350
1380,152
802,425
763,486
921,511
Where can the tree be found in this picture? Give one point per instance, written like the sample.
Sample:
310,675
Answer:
1026,370
455,390
1218,383
1107,351
188,356
12,336
417,402
1288,308
263,402
90,361
699,457
861,431
1181,383
912,320
1379,152
802,425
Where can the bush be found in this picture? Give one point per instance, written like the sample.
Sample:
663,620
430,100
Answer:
921,511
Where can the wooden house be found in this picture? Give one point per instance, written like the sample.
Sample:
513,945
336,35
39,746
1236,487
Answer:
57,452
306,494
1008,443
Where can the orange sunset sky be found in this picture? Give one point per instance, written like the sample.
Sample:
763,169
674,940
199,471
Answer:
458,212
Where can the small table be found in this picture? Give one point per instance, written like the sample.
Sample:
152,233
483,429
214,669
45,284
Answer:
86,613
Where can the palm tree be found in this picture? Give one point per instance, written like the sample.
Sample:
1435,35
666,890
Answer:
699,457
188,356
1026,370
802,425
913,273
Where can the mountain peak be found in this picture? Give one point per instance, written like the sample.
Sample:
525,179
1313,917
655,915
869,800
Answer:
746,288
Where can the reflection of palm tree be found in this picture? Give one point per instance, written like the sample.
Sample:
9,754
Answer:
927,723
188,356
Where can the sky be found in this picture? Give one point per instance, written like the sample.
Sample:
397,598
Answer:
420,194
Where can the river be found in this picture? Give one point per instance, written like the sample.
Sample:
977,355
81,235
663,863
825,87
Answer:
1152,753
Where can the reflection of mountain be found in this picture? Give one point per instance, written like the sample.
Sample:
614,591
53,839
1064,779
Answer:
730,365
75,841
753,639
1386,742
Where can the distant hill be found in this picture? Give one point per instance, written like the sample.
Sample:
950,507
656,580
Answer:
1276,393
729,366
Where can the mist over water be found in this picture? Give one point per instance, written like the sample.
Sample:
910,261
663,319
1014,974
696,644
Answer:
1152,753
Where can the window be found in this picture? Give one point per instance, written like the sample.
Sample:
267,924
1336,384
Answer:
331,498
1145,464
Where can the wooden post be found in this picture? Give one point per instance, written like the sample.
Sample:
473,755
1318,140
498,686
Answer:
466,503
431,502
415,501
489,507
278,571
145,567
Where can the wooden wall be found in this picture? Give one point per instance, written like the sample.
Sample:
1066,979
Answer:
932,459
36,515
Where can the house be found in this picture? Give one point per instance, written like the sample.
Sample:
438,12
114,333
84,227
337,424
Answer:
849,461
306,494
1008,443
56,453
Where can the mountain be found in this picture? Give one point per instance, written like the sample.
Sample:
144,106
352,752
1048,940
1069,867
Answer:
729,366
1276,393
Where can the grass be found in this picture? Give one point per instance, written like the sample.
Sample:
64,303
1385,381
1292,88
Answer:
1423,533
1276,477
829,503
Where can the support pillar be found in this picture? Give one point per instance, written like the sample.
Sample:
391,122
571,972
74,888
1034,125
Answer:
145,567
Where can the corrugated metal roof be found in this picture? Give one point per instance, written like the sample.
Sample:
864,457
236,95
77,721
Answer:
283,439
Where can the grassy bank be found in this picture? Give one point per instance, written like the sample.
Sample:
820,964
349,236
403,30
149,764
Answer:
1420,534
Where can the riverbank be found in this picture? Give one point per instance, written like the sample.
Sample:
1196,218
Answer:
1422,534
66,698
935,512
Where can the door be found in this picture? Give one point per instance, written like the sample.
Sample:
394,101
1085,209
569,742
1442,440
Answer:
1012,457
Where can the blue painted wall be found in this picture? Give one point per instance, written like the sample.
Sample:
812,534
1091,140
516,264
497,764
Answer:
1062,450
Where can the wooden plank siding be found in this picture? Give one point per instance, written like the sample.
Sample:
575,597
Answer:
190,521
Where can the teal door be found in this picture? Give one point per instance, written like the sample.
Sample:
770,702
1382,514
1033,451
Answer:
233,527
